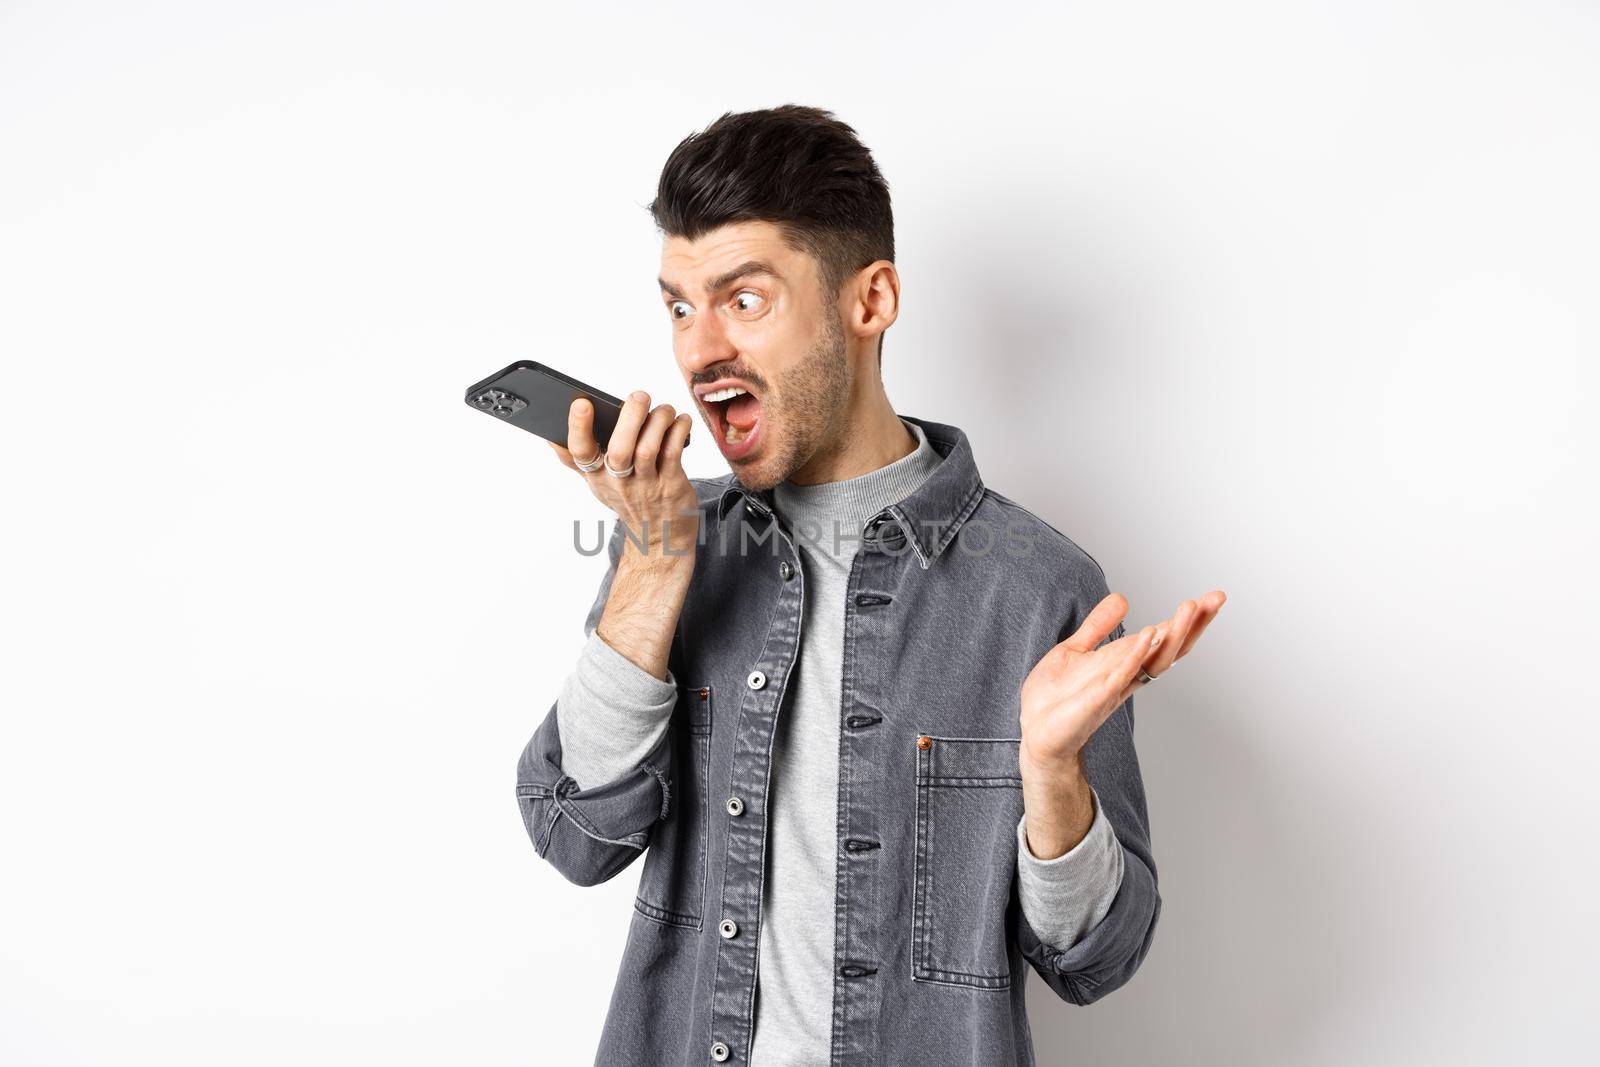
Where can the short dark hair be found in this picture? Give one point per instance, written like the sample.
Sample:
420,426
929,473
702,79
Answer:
797,167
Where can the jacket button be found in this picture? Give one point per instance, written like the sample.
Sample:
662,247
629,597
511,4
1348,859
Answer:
924,742
719,1051
756,680
727,928
735,806
705,692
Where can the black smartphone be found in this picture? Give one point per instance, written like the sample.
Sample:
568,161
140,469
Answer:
536,398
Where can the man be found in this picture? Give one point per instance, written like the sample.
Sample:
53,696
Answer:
868,721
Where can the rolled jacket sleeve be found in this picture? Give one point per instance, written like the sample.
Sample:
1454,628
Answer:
592,811
1108,952
1066,897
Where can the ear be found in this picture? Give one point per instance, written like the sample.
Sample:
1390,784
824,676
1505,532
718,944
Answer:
872,300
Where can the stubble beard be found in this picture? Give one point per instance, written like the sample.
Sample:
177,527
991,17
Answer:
812,398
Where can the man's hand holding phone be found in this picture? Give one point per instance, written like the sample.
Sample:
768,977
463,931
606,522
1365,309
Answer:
640,477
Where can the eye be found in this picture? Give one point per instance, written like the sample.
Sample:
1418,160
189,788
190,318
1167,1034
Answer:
673,306
754,296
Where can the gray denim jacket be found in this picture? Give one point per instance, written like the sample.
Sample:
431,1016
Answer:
955,594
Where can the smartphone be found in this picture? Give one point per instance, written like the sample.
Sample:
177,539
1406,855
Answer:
536,398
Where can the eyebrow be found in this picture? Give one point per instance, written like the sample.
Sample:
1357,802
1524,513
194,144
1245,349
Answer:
722,281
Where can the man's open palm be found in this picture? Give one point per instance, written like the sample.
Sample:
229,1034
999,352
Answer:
1079,683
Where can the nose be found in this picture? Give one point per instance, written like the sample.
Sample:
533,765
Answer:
705,344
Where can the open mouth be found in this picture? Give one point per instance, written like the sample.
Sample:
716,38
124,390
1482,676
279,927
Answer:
735,414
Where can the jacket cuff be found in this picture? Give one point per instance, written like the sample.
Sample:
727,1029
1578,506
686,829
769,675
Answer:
1066,897
611,714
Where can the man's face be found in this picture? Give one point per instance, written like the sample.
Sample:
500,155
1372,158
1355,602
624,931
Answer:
748,311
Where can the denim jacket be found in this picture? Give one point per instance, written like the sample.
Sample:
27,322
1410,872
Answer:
955,593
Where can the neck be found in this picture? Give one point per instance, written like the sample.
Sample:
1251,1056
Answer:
872,436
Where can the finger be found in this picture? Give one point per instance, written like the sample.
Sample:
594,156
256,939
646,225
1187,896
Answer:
1127,691
1126,682
671,459
1099,623
648,447
1205,610
1123,657
619,450
580,432
563,455
1135,682
1210,604
1172,633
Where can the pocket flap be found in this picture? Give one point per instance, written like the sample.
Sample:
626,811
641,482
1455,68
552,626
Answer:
969,760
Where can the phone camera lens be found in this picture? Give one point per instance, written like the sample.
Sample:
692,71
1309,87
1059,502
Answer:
499,402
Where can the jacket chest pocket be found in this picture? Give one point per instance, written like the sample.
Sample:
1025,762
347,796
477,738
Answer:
968,803
672,885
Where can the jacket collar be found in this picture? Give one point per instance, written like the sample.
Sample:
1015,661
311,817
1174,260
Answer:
930,517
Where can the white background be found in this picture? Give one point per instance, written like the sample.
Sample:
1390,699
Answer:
1294,300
